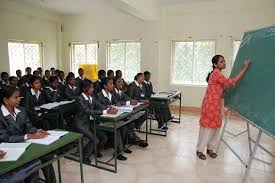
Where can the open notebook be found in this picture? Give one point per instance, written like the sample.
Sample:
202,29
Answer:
55,104
13,150
52,137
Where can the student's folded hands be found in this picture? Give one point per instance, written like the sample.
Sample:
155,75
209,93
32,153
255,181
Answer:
37,135
111,110
133,102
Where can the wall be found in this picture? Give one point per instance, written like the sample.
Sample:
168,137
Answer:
21,22
219,20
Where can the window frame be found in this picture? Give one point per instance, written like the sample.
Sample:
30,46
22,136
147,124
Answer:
72,44
233,50
173,62
41,51
108,52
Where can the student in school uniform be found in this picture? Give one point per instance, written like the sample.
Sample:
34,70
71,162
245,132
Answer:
25,86
28,73
80,77
61,77
119,75
162,114
71,92
136,91
52,71
40,71
13,81
122,98
53,92
19,77
110,74
36,73
45,80
5,79
98,85
211,112
83,120
15,126
34,98
104,101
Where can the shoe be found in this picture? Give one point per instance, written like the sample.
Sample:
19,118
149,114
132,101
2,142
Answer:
121,158
128,151
143,144
87,161
99,155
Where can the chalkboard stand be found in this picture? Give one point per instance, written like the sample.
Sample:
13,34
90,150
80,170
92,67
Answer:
252,151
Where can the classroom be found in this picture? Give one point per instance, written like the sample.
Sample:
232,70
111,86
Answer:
137,91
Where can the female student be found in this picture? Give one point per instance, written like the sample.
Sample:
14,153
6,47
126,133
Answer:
34,98
122,98
15,126
104,101
83,120
211,112
53,92
70,90
136,91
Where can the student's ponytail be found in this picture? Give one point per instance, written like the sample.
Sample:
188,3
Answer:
215,60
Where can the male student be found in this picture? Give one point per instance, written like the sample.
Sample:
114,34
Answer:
19,77
45,80
5,79
98,85
80,78
119,75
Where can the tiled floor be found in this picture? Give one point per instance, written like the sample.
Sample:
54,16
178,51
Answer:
172,159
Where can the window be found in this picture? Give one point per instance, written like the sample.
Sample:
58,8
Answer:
236,46
83,53
24,54
124,56
192,61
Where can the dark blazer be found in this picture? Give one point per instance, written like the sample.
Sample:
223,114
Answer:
148,88
14,130
45,82
103,102
3,85
23,90
30,102
78,81
97,87
135,92
70,94
53,96
121,98
84,109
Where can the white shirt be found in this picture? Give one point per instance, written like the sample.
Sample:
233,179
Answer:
118,91
5,112
87,98
147,82
108,95
5,83
80,77
73,88
139,85
36,94
52,90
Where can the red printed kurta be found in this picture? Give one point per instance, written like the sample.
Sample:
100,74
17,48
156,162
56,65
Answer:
211,110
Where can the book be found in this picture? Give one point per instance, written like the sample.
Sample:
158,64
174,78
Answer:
52,137
13,150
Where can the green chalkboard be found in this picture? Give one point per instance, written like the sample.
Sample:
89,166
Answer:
254,96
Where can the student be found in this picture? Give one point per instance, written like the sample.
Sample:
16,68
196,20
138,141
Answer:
13,81
53,92
119,75
110,74
71,92
35,73
19,77
122,98
34,98
83,122
45,80
40,71
61,77
5,79
15,126
104,101
97,85
136,91
28,72
25,86
52,71
162,113
211,112
80,78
